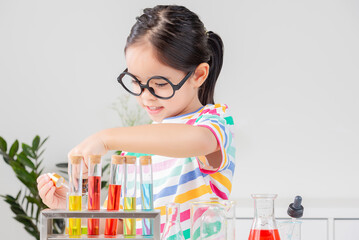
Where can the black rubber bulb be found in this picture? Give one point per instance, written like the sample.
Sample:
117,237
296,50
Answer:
295,209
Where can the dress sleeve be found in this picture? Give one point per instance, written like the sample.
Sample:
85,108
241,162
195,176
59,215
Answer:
217,119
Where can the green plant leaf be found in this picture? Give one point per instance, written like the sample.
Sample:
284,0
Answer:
62,165
14,148
103,184
38,164
25,165
17,196
3,145
22,157
16,208
6,157
42,143
28,150
23,199
35,143
40,154
32,210
32,200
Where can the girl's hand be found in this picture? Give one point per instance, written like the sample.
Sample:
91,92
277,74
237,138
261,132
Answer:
53,197
93,145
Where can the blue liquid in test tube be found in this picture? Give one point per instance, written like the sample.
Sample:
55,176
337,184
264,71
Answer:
146,193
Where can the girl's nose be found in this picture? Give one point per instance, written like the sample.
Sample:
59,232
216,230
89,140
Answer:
146,94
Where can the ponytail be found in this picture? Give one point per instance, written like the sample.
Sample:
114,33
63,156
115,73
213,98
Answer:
206,91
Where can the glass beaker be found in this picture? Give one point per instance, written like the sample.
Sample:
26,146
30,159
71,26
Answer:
214,224
289,230
172,228
264,225
212,219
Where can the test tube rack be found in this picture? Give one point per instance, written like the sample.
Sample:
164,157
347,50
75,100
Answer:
48,215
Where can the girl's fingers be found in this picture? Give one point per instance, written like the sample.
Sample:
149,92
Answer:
41,177
49,196
44,190
41,182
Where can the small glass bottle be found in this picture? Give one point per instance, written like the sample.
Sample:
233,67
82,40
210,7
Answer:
58,180
264,224
146,193
172,228
75,194
94,192
114,192
129,227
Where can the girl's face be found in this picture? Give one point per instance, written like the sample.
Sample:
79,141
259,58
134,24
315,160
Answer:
142,62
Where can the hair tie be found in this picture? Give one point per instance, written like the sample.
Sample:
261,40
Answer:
206,33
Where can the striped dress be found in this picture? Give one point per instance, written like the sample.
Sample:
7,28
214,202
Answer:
183,180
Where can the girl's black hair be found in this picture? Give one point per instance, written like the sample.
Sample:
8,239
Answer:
181,41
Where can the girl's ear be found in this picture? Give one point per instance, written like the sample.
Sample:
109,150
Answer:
200,74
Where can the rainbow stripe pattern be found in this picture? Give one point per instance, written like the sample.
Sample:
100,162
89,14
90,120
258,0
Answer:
183,180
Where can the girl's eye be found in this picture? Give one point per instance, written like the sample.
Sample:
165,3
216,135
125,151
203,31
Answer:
161,84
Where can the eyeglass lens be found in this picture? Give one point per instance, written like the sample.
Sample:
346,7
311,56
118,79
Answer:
158,86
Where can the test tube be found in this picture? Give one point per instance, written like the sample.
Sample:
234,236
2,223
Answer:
114,192
146,193
94,192
84,205
75,193
130,195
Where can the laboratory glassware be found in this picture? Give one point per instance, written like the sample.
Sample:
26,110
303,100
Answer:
129,227
172,229
75,193
58,180
94,192
213,219
213,224
291,230
264,226
146,193
114,192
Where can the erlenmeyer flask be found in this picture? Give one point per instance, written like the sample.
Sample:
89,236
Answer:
172,228
264,226
214,224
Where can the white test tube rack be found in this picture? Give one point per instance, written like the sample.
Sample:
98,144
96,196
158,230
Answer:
48,215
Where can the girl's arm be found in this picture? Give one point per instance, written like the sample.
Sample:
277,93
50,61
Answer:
172,140
166,139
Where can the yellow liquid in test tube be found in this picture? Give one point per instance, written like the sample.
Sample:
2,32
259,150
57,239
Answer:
75,223
130,223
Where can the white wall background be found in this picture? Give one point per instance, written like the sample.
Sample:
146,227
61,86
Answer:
290,76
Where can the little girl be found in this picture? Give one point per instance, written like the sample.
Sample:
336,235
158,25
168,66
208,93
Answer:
172,67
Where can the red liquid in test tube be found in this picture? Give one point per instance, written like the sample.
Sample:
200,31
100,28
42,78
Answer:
113,203
94,192
114,193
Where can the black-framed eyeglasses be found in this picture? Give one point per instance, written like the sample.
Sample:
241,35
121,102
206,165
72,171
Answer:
158,86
